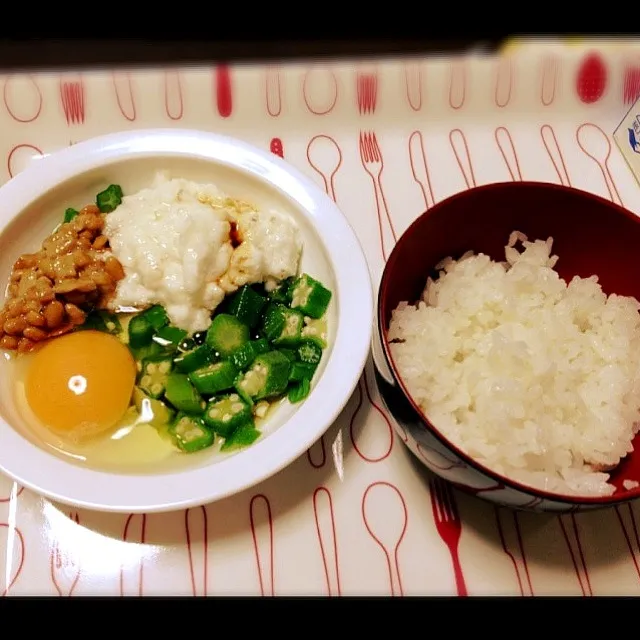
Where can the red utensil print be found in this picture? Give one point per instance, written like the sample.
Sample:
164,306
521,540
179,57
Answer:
373,163
22,98
571,534
12,559
276,147
317,454
173,102
132,581
507,520
20,156
224,92
550,66
65,568
413,84
504,82
437,459
123,89
327,538
325,157
419,168
595,143
555,154
72,98
457,84
630,532
591,79
385,516
366,92
448,525
197,534
460,148
13,493
273,91
262,533
507,149
631,83
355,433
320,90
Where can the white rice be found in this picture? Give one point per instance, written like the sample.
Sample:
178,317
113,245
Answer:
535,378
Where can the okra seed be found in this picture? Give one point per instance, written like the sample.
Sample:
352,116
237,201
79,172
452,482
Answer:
164,367
234,397
151,368
214,413
157,388
237,407
146,381
226,417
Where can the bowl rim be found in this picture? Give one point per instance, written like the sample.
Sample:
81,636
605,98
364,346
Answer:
385,283
51,476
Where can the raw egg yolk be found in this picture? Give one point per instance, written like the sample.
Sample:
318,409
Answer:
80,384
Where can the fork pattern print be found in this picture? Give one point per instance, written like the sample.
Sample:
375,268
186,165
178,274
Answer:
386,140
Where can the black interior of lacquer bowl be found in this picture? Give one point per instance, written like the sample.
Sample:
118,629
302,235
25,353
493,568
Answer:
592,236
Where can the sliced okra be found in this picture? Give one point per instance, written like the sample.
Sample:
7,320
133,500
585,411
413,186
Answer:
315,329
214,378
224,414
153,375
190,433
156,316
302,371
283,326
243,436
110,198
267,377
245,355
309,296
173,335
247,304
298,391
183,395
309,351
280,293
196,358
227,334
140,331
152,411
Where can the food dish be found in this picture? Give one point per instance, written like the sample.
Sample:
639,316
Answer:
330,261
591,236
214,323
532,376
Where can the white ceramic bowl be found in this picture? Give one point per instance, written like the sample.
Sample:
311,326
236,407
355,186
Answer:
32,203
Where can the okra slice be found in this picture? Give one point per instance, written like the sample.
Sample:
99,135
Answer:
267,377
190,433
173,335
140,331
315,329
156,316
70,214
243,358
282,326
110,198
227,334
309,351
292,354
224,414
183,395
153,376
242,437
302,371
280,293
214,378
152,411
151,350
247,305
196,358
298,391
309,296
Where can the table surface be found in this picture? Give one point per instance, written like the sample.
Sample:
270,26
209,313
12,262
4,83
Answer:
361,523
